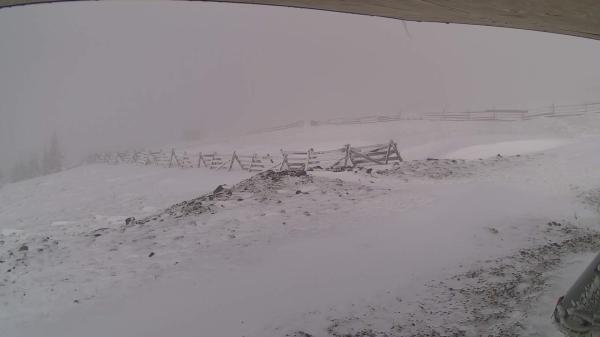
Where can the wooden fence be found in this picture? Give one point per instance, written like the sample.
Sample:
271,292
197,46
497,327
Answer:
345,157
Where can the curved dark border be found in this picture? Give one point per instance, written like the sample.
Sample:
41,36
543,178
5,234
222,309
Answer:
579,18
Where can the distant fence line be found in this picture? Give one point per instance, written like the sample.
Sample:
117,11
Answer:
296,124
346,157
365,119
486,115
553,111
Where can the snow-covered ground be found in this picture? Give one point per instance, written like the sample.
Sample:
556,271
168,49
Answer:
456,246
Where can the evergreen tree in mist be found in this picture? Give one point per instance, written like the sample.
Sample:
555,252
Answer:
18,172
52,161
33,168
26,169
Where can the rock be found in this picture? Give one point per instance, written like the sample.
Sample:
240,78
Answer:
151,254
301,334
129,221
369,170
493,230
294,173
219,189
298,192
23,248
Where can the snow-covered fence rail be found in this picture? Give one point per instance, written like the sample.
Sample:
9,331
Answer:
252,162
380,154
344,157
347,156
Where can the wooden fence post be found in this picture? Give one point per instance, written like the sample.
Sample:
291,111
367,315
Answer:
284,162
237,158
397,152
171,159
252,162
387,154
347,156
232,158
214,159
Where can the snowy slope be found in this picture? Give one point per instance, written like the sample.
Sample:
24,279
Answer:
55,218
381,253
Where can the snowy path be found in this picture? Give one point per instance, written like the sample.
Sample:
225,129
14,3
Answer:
341,255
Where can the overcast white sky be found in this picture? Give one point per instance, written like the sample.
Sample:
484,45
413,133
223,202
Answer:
105,73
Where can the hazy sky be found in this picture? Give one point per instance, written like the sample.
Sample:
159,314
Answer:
103,74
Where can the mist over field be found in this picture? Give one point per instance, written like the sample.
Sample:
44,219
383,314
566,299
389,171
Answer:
105,76
197,169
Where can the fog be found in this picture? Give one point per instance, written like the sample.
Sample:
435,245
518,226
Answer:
108,75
